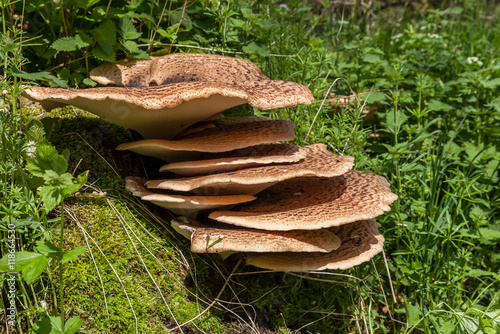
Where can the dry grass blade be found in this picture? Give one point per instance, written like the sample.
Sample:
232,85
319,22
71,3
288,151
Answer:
75,219
126,227
114,271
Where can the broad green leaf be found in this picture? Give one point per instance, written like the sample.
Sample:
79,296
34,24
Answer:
34,268
492,84
105,35
73,254
101,55
20,260
72,325
49,249
48,325
489,234
127,29
46,158
35,130
69,43
479,273
256,48
131,46
413,314
439,106
89,82
86,4
39,76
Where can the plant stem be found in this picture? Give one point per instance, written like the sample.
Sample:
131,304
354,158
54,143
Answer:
61,290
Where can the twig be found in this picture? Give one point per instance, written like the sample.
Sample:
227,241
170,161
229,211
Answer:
216,298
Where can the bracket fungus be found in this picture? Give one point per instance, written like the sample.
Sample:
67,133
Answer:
283,207
219,139
208,239
161,97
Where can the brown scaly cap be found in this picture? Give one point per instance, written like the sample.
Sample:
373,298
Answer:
360,241
211,163
219,139
318,161
310,203
179,204
183,89
250,240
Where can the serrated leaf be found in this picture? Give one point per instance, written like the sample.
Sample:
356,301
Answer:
73,254
46,76
89,82
105,35
489,234
127,29
101,55
131,46
492,84
375,97
256,48
413,314
69,43
439,106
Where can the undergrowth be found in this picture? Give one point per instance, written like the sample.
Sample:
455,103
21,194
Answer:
430,72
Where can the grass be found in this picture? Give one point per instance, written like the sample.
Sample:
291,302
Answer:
432,72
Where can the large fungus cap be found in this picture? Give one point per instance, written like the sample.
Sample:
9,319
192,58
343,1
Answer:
180,90
206,239
359,242
318,161
211,163
182,204
219,139
310,203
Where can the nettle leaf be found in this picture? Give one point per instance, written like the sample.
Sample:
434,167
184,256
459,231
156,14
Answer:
491,84
69,43
86,4
101,55
490,234
131,46
105,35
256,48
439,106
46,76
128,30
89,82
413,314
73,254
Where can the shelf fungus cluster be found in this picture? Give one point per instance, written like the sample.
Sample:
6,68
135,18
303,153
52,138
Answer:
233,183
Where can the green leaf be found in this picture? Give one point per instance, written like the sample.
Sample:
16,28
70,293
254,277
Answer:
46,76
489,234
131,46
480,273
255,48
46,159
30,264
439,106
105,35
101,55
413,314
48,325
127,29
89,82
69,43
73,254
492,84
72,325
86,4
49,249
